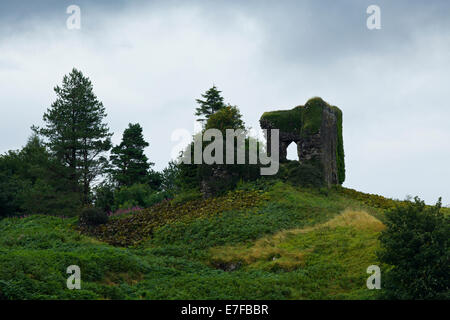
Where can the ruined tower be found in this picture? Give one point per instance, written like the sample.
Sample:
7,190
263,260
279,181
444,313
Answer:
316,128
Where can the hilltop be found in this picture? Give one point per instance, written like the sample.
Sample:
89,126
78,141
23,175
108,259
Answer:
266,240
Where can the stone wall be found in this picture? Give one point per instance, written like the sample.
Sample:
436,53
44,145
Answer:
314,131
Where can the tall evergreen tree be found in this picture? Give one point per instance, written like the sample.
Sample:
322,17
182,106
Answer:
212,103
75,130
130,164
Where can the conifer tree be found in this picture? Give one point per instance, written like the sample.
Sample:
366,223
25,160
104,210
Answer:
130,164
75,131
212,103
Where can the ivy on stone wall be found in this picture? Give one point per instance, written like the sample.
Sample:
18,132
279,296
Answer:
301,120
340,161
305,121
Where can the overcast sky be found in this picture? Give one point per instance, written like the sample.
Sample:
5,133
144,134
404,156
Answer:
150,60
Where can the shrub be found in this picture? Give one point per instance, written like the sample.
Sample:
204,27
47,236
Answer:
157,197
104,197
217,178
135,195
371,200
93,216
302,174
132,230
187,195
416,246
261,184
170,178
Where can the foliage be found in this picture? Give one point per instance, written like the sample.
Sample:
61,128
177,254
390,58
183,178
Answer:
212,103
33,182
228,117
129,163
301,120
305,121
121,212
187,195
104,196
170,178
232,216
185,265
92,216
309,174
189,177
279,237
135,195
416,245
312,116
325,251
285,120
340,161
260,184
37,250
110,198
155,179
217,178
75,130
370,200
132,230
266,240
11,187
157,197
282,206
43,198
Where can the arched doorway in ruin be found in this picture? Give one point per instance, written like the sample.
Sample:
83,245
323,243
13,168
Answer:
292,151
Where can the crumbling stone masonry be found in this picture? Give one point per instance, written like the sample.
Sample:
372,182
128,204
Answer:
316,128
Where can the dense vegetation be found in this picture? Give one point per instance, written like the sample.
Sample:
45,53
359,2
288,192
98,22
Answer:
305,121
416,245
141,234
191,249
261,241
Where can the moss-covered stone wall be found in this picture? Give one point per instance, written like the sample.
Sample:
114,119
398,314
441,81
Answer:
316,128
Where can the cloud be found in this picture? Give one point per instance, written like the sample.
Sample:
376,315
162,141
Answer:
150,61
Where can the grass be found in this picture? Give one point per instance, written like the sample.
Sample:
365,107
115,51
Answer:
346,242
276,242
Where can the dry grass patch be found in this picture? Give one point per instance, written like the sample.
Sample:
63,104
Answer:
279,251
360,220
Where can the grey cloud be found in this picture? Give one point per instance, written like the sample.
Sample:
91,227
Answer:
150,60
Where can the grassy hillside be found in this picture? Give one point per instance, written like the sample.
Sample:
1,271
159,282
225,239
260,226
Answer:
258,242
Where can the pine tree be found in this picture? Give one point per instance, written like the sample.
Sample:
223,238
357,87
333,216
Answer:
212,103
130,164
75,130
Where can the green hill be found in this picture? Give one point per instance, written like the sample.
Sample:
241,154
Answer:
261,241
